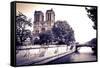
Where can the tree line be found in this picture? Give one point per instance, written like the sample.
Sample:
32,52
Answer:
61,33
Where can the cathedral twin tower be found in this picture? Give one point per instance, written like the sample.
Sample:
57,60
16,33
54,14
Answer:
39,24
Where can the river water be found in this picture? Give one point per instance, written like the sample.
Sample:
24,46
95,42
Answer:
75,57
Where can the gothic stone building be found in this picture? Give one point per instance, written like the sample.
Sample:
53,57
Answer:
41,25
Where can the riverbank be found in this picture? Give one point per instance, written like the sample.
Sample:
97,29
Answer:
41,55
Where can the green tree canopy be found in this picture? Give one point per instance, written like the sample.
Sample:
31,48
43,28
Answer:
63,33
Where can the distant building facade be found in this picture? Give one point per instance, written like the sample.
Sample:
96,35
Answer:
39,24
50,18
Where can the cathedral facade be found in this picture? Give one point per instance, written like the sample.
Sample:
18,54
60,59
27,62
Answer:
41,25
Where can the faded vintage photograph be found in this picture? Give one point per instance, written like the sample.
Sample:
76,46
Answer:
55,34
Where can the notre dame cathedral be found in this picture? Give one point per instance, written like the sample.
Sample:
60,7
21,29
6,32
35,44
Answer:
41,25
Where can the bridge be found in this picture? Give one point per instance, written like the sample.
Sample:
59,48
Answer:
78,46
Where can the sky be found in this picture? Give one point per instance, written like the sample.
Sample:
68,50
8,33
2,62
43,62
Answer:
75,16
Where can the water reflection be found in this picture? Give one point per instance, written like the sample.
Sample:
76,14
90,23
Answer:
77,57
84,54
85,50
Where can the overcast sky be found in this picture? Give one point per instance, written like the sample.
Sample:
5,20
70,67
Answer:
75,16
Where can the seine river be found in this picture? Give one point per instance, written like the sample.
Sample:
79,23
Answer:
75,57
